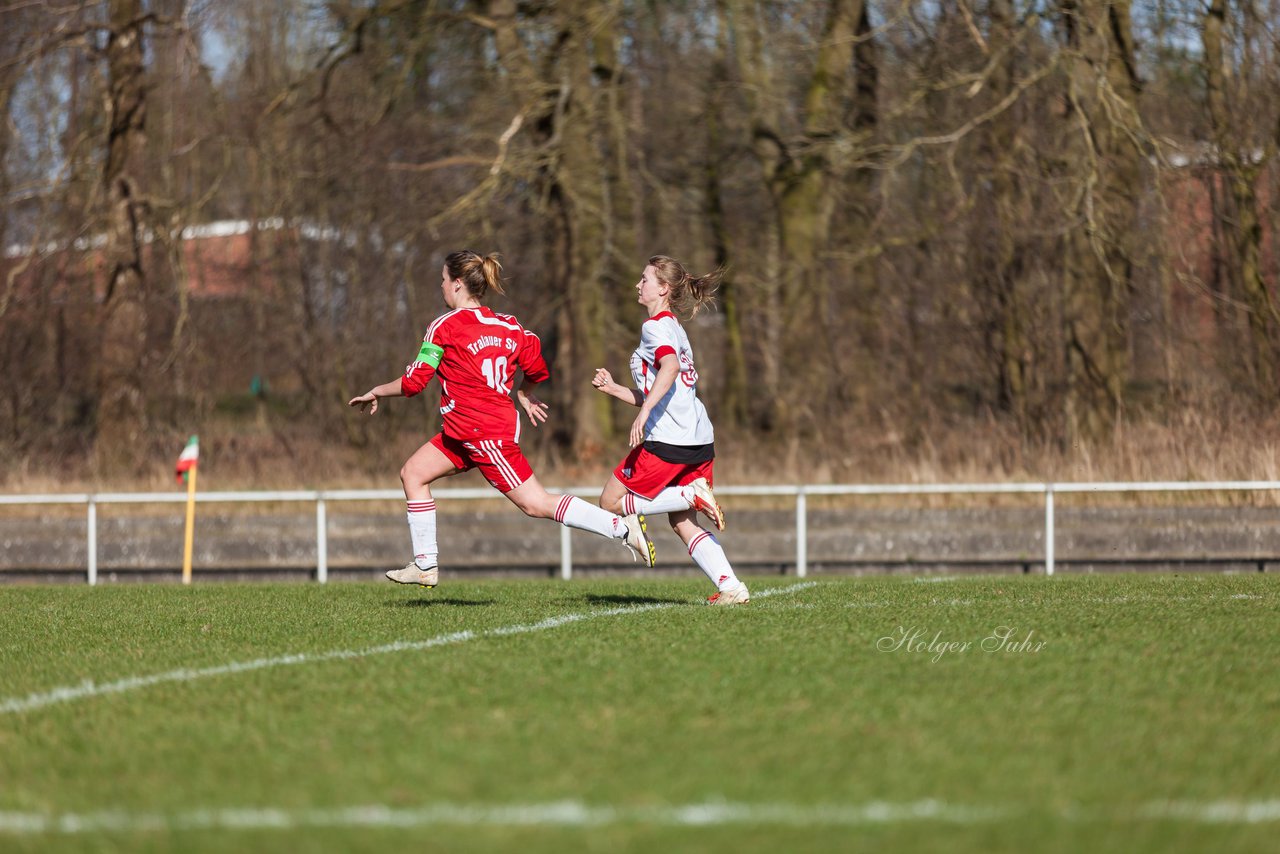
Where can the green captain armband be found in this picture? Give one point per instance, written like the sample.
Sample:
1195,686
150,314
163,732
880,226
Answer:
430,354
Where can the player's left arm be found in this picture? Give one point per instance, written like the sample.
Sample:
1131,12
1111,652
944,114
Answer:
535,370
534,408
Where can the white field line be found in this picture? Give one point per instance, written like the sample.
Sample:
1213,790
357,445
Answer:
88,688
1215,812
1143,598
577,814
554,814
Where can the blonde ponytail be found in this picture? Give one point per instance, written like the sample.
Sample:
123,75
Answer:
492,270
689,294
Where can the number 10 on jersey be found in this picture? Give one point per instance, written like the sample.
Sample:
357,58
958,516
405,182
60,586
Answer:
497,375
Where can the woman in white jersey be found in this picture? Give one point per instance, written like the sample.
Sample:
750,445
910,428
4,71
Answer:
669,469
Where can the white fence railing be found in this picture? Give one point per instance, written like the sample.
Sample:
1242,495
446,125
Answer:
799,493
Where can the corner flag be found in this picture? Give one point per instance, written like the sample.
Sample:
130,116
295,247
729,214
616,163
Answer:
188,458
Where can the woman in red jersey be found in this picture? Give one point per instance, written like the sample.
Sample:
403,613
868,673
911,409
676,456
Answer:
669,469
476,352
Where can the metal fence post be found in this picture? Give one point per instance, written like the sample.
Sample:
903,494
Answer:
93,542
322,543
802,535
1048,529
566,553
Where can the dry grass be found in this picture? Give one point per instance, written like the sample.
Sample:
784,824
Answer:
1193,446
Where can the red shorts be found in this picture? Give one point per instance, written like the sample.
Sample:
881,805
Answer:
499,460
646,475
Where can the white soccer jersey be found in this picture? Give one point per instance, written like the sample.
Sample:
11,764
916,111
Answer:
679,418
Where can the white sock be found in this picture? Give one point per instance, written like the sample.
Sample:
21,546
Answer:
577,513
673,499
710,558
422,531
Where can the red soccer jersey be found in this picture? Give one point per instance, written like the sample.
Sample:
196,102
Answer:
475,352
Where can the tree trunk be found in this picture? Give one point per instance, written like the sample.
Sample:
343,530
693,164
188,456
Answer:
121,412
804,179
1241,229
854,298
1105,163
734,390
565,122
995,258
765,123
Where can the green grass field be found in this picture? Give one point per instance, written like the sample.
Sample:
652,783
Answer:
623,716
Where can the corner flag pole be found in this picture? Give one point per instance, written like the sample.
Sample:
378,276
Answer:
188,464
191,525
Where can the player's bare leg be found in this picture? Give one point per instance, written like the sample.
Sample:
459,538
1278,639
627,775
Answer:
535,501
427,465
612,494
696,495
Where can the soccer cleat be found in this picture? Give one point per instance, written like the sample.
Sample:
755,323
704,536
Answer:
411,574
638,539
704,501
737,596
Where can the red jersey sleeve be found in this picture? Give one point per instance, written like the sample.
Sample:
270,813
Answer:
420,371
529,358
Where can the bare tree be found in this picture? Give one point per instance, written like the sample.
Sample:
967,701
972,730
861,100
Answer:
1239,157
122,351
561,102
998,264
1104,158
804,173
932,213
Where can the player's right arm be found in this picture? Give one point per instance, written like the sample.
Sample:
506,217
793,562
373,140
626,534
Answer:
420,371
369,400
415,378
603,382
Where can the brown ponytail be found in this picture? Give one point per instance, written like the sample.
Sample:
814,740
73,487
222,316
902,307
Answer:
689,294
477,272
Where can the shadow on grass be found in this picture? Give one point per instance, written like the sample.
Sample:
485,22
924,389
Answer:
608,599
431,600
